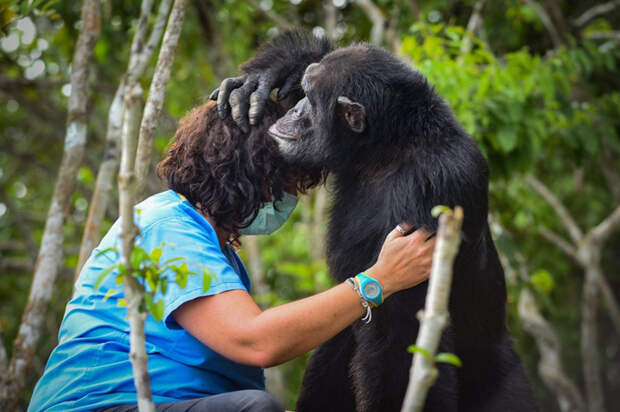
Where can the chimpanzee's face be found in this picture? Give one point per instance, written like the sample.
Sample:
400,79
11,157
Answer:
311,132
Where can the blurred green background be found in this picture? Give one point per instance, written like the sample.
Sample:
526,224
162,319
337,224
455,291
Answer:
540,100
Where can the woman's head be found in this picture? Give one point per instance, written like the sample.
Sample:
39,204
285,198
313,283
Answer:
226,173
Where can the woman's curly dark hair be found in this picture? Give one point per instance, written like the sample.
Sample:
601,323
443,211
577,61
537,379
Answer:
228,174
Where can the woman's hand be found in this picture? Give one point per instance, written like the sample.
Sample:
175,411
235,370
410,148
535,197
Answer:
404,261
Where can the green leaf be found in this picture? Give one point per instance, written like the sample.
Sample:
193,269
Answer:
449,358
155,255
138,255
163,285
157,309
507,138
206,281
542,281
184,268
122,302
119,279
437,210
105,272
104,251
168,261
421,351
109,293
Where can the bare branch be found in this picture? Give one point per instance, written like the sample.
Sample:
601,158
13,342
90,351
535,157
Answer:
423,373
546,21
589,341
279,21
595,12
50,252
472,26
609,299
140,56
331,18
157,92
568,221
377,18
557,240
550,367
604,229
604,35
138,60
610,169
134,292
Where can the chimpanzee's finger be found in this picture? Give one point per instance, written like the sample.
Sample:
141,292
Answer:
286,88
240,103
214,93
259,98
226,88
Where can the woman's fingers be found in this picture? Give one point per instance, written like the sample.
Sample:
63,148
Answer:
399,231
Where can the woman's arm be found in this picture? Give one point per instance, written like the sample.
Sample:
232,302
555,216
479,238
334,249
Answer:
233,325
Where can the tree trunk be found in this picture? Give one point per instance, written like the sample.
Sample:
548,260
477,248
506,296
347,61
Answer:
50,253
141,54
550,366
157,92
589,339
435,317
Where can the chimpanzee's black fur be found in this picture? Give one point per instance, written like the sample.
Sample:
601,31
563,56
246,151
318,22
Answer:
412,155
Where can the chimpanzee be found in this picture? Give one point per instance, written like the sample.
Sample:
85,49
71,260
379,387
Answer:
394,150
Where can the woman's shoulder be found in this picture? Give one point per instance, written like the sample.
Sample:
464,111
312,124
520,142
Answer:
168,212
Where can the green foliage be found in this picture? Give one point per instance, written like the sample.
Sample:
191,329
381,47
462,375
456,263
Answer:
442,357
152,275
533,108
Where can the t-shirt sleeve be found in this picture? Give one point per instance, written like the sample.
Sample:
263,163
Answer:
200,250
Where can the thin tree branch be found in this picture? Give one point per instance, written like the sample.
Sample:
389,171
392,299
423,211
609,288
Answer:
472,26
377,18
557,240
604,35
604,229
134,292
589,341
435,317
4,361
568,221
613,310
50,253
157,92
138,60
610,168
546,21
595,11
550,367
279,21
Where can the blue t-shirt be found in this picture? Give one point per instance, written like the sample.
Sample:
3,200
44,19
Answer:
90,368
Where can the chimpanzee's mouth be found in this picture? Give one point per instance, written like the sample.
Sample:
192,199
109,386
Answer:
274,132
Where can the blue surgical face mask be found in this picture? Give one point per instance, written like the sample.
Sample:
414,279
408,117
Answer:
271,217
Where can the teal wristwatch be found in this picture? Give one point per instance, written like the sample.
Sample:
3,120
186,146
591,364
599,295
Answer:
371,289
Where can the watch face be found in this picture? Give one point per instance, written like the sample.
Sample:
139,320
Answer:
371,290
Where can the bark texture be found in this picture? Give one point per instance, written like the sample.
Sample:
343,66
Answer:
50,252
134,292
157,92
141,54
435,317
550,366
585,249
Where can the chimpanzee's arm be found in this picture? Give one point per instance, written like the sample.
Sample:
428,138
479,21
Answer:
278,64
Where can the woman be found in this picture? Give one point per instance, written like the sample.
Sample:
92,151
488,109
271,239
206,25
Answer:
209,350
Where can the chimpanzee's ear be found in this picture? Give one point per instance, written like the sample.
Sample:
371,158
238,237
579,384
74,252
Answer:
354,113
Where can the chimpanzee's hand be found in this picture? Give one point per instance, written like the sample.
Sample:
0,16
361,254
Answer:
279,64
246,95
